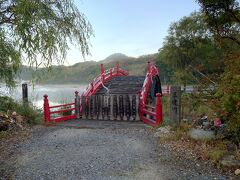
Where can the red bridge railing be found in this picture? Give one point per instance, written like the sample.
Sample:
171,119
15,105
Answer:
97,82
63,108
148,114
152,115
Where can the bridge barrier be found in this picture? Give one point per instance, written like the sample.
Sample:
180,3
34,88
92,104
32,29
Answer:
152,115
110,107
57,113
105,75
105,107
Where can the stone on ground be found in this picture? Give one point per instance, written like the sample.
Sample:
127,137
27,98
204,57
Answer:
162,131
200,134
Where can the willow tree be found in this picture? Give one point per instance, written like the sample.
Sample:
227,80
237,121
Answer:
38,32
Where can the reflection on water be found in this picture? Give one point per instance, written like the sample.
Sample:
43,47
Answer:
57,94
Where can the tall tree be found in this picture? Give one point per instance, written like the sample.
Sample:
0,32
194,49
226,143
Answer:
223,19
39,32
189,48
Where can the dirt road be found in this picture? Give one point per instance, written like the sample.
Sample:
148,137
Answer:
102,150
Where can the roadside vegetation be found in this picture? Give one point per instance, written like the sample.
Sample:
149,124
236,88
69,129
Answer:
36,33
17,115
203,50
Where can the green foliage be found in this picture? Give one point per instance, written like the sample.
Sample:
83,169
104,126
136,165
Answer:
7,103
85,72
189,49
223,18
9,60
39,31
229,95
166,70
30,115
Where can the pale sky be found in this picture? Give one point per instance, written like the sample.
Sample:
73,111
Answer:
132,27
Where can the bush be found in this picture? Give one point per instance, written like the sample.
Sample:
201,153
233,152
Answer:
30,115
7,104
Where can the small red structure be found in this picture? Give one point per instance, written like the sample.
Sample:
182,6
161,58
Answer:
61,109
149,114
97,83
149,107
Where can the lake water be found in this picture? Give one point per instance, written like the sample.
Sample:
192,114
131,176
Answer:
57,94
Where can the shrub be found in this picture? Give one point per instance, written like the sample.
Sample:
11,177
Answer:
30,115
7,104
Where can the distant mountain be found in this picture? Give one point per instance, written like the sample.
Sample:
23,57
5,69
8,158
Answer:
115,57
84,72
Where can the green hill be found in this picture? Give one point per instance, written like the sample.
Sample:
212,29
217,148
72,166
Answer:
84,72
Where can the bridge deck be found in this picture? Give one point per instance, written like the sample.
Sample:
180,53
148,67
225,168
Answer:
99,124
123,85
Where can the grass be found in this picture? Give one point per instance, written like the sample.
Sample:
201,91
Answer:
213,150
30,115
206,149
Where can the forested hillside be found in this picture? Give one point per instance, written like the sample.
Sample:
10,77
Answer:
83,72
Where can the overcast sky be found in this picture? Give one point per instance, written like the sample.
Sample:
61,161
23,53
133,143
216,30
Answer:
132,27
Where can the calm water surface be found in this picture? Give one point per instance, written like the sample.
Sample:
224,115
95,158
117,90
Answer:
57,94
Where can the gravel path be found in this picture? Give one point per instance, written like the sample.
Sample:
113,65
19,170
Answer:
103,150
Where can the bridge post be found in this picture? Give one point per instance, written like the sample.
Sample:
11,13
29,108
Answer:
175,105
25,93
110,71
140,109
117,68
77,105
158,109
148,67
92,87
46,109
83,106
102,72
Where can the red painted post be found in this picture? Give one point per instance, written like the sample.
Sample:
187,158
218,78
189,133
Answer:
117,67
92,87
111,72
140,105
102,72
158,109
148,67
46,109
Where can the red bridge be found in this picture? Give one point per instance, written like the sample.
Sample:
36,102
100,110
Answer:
114,95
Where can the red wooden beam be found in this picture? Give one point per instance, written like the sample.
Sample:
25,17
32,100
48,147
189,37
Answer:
64,118
46,109
158,108
103,77
148,121
149,112
62,110
148,106
62,105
